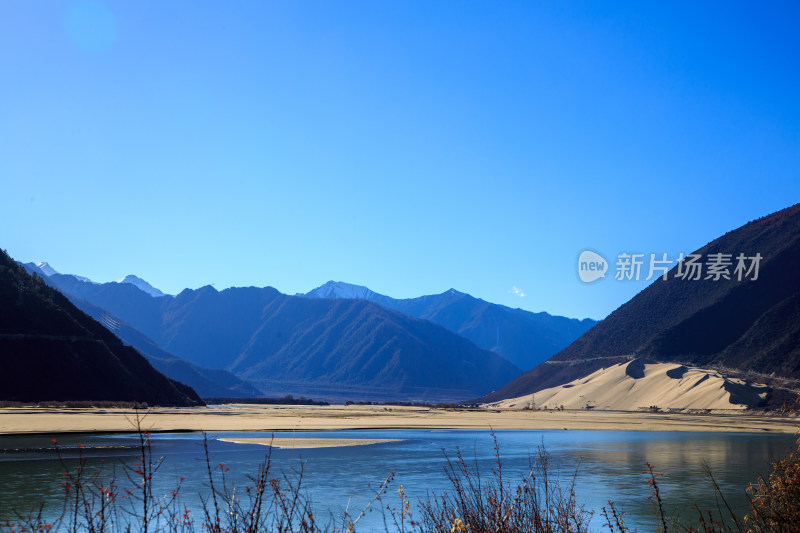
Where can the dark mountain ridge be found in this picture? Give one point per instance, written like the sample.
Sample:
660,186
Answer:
52,351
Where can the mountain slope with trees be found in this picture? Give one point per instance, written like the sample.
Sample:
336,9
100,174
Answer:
52,351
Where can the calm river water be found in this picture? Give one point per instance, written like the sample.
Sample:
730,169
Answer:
611,465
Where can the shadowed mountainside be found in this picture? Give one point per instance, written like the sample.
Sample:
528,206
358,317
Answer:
366,347
749,326
524,338
52,351
207,382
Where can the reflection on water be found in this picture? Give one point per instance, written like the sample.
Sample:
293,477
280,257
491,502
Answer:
611,465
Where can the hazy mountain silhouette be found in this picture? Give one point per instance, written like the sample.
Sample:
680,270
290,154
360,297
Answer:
294,345
52,351
524,338
141,284
207,382
745,326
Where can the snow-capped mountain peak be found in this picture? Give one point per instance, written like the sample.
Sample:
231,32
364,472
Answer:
46,269
342,290
142,285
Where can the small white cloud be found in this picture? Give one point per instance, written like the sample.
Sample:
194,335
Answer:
517,291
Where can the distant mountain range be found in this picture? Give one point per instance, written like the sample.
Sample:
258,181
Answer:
739,338
207,382
524,338
52,351
747,329
337,349
368,347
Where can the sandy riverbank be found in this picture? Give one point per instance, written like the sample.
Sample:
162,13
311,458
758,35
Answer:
335,417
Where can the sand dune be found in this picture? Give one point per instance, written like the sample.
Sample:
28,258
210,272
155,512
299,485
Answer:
636,385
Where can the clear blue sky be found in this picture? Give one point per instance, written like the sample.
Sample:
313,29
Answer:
407,146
